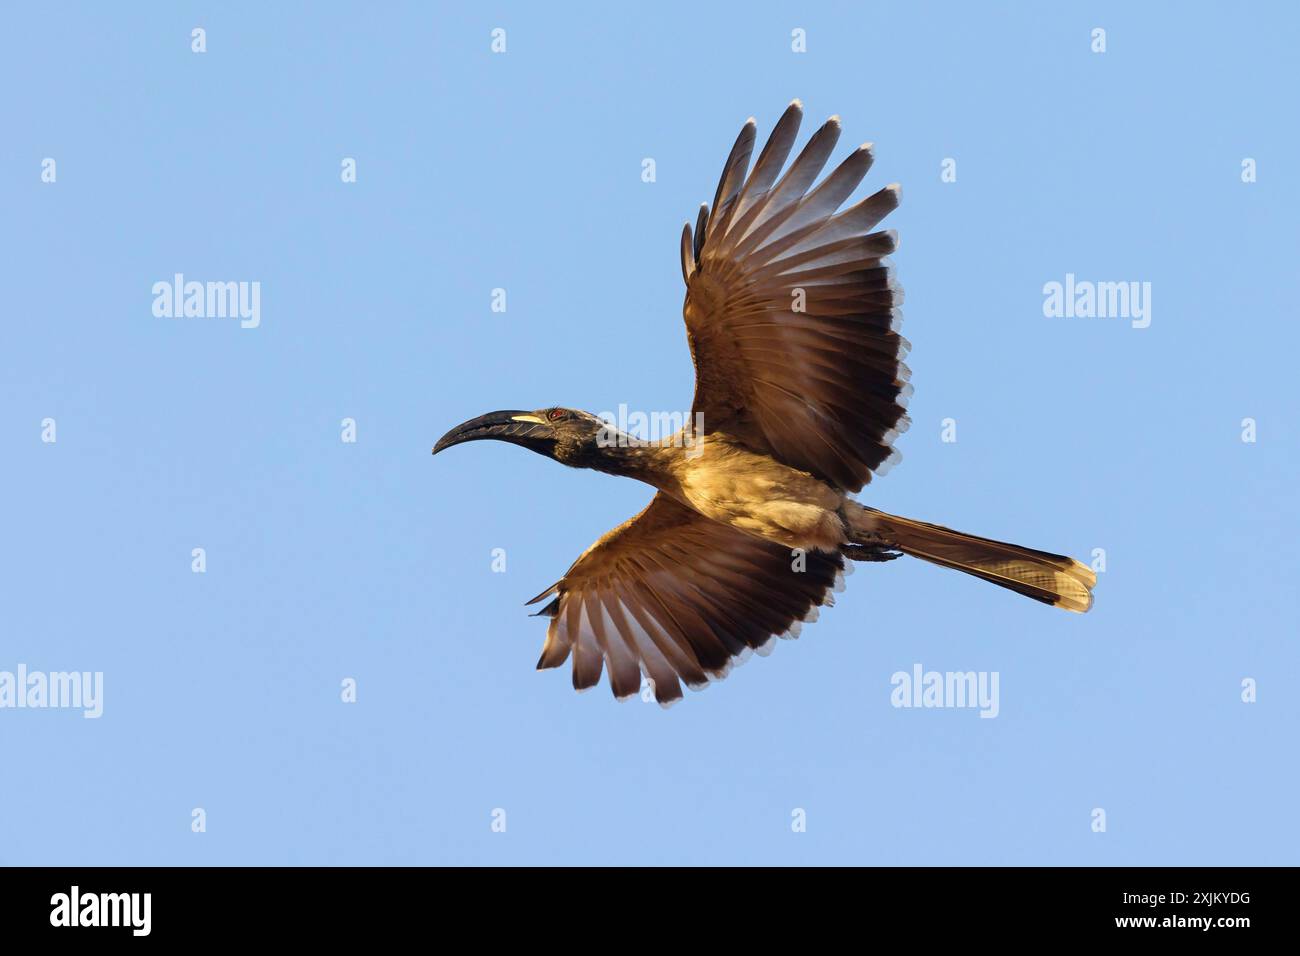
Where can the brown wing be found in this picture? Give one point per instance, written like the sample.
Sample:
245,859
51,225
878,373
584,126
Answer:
792,312
672,594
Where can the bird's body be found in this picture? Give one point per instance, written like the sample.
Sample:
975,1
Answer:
792,320
724,480
760,496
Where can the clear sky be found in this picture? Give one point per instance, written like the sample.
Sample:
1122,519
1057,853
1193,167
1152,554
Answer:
328,560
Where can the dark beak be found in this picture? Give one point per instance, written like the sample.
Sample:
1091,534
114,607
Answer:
519,428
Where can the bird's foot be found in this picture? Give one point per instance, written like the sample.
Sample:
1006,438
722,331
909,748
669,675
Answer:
870,552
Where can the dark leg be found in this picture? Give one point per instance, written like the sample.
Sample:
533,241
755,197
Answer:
869,552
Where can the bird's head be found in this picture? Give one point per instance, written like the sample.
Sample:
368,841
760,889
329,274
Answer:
570,437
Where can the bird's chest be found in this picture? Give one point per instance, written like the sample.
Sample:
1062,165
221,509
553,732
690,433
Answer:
759,496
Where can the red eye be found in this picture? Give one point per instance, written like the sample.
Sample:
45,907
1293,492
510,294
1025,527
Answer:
556,414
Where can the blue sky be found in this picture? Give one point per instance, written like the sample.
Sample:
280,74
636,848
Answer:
371,560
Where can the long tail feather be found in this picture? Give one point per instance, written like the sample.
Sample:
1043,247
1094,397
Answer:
1051,578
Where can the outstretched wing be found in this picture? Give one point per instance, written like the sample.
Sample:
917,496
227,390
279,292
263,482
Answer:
792,309
674,595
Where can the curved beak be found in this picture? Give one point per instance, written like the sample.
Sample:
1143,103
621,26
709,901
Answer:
519,428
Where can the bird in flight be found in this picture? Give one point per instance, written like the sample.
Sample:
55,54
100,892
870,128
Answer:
800,387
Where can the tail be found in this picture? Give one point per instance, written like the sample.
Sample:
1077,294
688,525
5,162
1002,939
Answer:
1050,578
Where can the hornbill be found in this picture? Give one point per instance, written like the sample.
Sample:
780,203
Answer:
792,320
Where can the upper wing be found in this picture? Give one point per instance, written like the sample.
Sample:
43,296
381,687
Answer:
672,594
791,310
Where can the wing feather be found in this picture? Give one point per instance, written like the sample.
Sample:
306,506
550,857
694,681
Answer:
679,598
792,310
